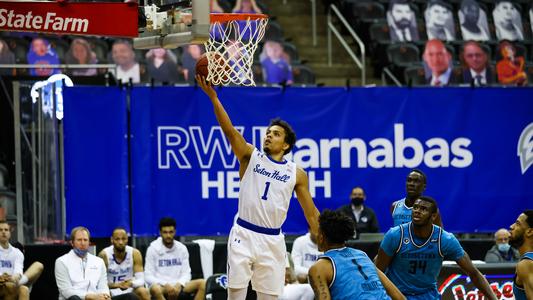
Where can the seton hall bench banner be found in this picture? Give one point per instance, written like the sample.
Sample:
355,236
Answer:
475,146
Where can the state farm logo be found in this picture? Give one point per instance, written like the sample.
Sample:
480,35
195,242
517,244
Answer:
525,148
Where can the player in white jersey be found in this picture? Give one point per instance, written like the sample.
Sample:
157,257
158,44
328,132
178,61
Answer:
304,255
124,266
256,246
168,272
13,283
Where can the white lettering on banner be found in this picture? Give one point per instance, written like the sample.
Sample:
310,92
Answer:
401,152
35,22
308,153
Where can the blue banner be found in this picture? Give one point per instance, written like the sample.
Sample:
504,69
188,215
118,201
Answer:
467,141
96,159
475,145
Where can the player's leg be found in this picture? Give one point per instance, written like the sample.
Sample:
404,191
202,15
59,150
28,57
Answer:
32,274
24,292
268,277
239,264
237,294
142,293
196,286
157,292
263,296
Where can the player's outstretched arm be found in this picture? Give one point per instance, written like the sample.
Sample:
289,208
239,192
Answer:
524,271
477,278
306,201
391,289
320,276
239,145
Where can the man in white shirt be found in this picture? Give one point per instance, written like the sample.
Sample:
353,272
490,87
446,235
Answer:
127,68
167,269
124,266
81,275
13,283
304,254
477,70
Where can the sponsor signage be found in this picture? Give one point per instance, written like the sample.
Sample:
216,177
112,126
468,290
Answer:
94,18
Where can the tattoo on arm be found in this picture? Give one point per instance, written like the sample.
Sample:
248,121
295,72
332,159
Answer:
320,289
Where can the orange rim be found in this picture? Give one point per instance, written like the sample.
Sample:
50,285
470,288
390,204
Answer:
221,18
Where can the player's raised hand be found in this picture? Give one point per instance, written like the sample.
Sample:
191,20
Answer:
206,87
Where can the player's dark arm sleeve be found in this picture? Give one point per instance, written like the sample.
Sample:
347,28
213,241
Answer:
477,278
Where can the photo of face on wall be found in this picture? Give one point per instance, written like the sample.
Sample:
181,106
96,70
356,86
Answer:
402,22
473,20
439,21
508,21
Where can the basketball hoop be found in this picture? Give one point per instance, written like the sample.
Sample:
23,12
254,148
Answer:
235,38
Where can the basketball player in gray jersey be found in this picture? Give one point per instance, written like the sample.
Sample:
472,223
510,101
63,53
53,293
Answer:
256,246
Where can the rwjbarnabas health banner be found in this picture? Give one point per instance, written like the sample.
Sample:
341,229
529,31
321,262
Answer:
475,146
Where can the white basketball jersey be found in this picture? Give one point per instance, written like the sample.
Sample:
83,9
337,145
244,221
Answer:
117,272
266,190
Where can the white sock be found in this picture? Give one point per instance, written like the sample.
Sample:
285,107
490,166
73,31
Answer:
23,280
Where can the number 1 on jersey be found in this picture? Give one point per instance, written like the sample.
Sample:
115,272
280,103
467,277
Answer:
267,185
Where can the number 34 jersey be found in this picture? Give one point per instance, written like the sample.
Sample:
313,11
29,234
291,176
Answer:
266,190
416,263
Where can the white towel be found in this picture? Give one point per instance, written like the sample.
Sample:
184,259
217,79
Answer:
206,256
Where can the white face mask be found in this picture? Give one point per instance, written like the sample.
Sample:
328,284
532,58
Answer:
504,247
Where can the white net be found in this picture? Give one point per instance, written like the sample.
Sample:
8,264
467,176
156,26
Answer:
230,50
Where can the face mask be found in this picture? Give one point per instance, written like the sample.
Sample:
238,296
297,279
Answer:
357,201
504,247
79,252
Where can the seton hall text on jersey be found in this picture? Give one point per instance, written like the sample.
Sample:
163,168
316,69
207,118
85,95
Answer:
169,262
119,271
274,175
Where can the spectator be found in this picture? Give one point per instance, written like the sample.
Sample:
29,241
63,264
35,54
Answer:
275,64
475,62
507,21
80,53
439,21
42,54
6,57
293,290
304,254
162,65
81,275
167,268
473,21
402,22
191,54
124,266
13,283
246,7
127,68
502,252
510,68
439,62
364,217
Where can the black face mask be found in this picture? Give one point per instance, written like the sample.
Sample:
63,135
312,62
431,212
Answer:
357,201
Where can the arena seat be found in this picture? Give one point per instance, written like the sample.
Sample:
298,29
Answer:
303,74
414,75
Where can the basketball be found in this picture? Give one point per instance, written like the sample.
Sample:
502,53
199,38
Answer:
201,66
221,67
